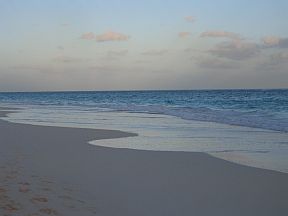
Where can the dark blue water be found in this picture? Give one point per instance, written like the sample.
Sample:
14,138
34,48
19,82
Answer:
267,109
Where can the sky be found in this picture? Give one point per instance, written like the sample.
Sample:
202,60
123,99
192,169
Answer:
62,45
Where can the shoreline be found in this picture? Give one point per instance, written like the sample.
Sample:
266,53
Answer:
111,181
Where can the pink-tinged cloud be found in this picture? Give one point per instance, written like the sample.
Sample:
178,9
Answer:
221,34
190,19
112,36
184,34
88,36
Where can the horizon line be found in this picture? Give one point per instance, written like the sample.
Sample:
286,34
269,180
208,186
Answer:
143,90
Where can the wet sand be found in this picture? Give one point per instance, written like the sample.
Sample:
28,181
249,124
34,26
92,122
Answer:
54,171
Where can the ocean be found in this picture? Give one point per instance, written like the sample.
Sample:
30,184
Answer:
244,126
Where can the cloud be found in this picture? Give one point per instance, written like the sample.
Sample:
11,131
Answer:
88,36
190,19
278,60
155,52
184,34
275,41
112,36
236,50
221,34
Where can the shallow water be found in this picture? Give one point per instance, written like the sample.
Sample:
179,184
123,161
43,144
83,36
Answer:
245,145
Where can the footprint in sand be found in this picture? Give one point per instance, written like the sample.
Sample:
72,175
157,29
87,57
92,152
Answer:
24,183
46,189
48,211
65,197
2,190
10,207
39,200
10,177
47,181
24,187
67,189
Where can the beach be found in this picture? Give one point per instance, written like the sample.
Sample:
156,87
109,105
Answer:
144,108
54,171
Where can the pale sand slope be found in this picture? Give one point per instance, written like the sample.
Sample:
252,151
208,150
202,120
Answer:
53,171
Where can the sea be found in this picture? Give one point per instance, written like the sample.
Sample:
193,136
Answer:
249,127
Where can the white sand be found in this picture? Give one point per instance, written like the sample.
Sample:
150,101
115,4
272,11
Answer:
54,171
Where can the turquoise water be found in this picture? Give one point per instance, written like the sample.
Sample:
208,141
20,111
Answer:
244,126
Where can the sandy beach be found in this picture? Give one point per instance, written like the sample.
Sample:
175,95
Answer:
54,171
